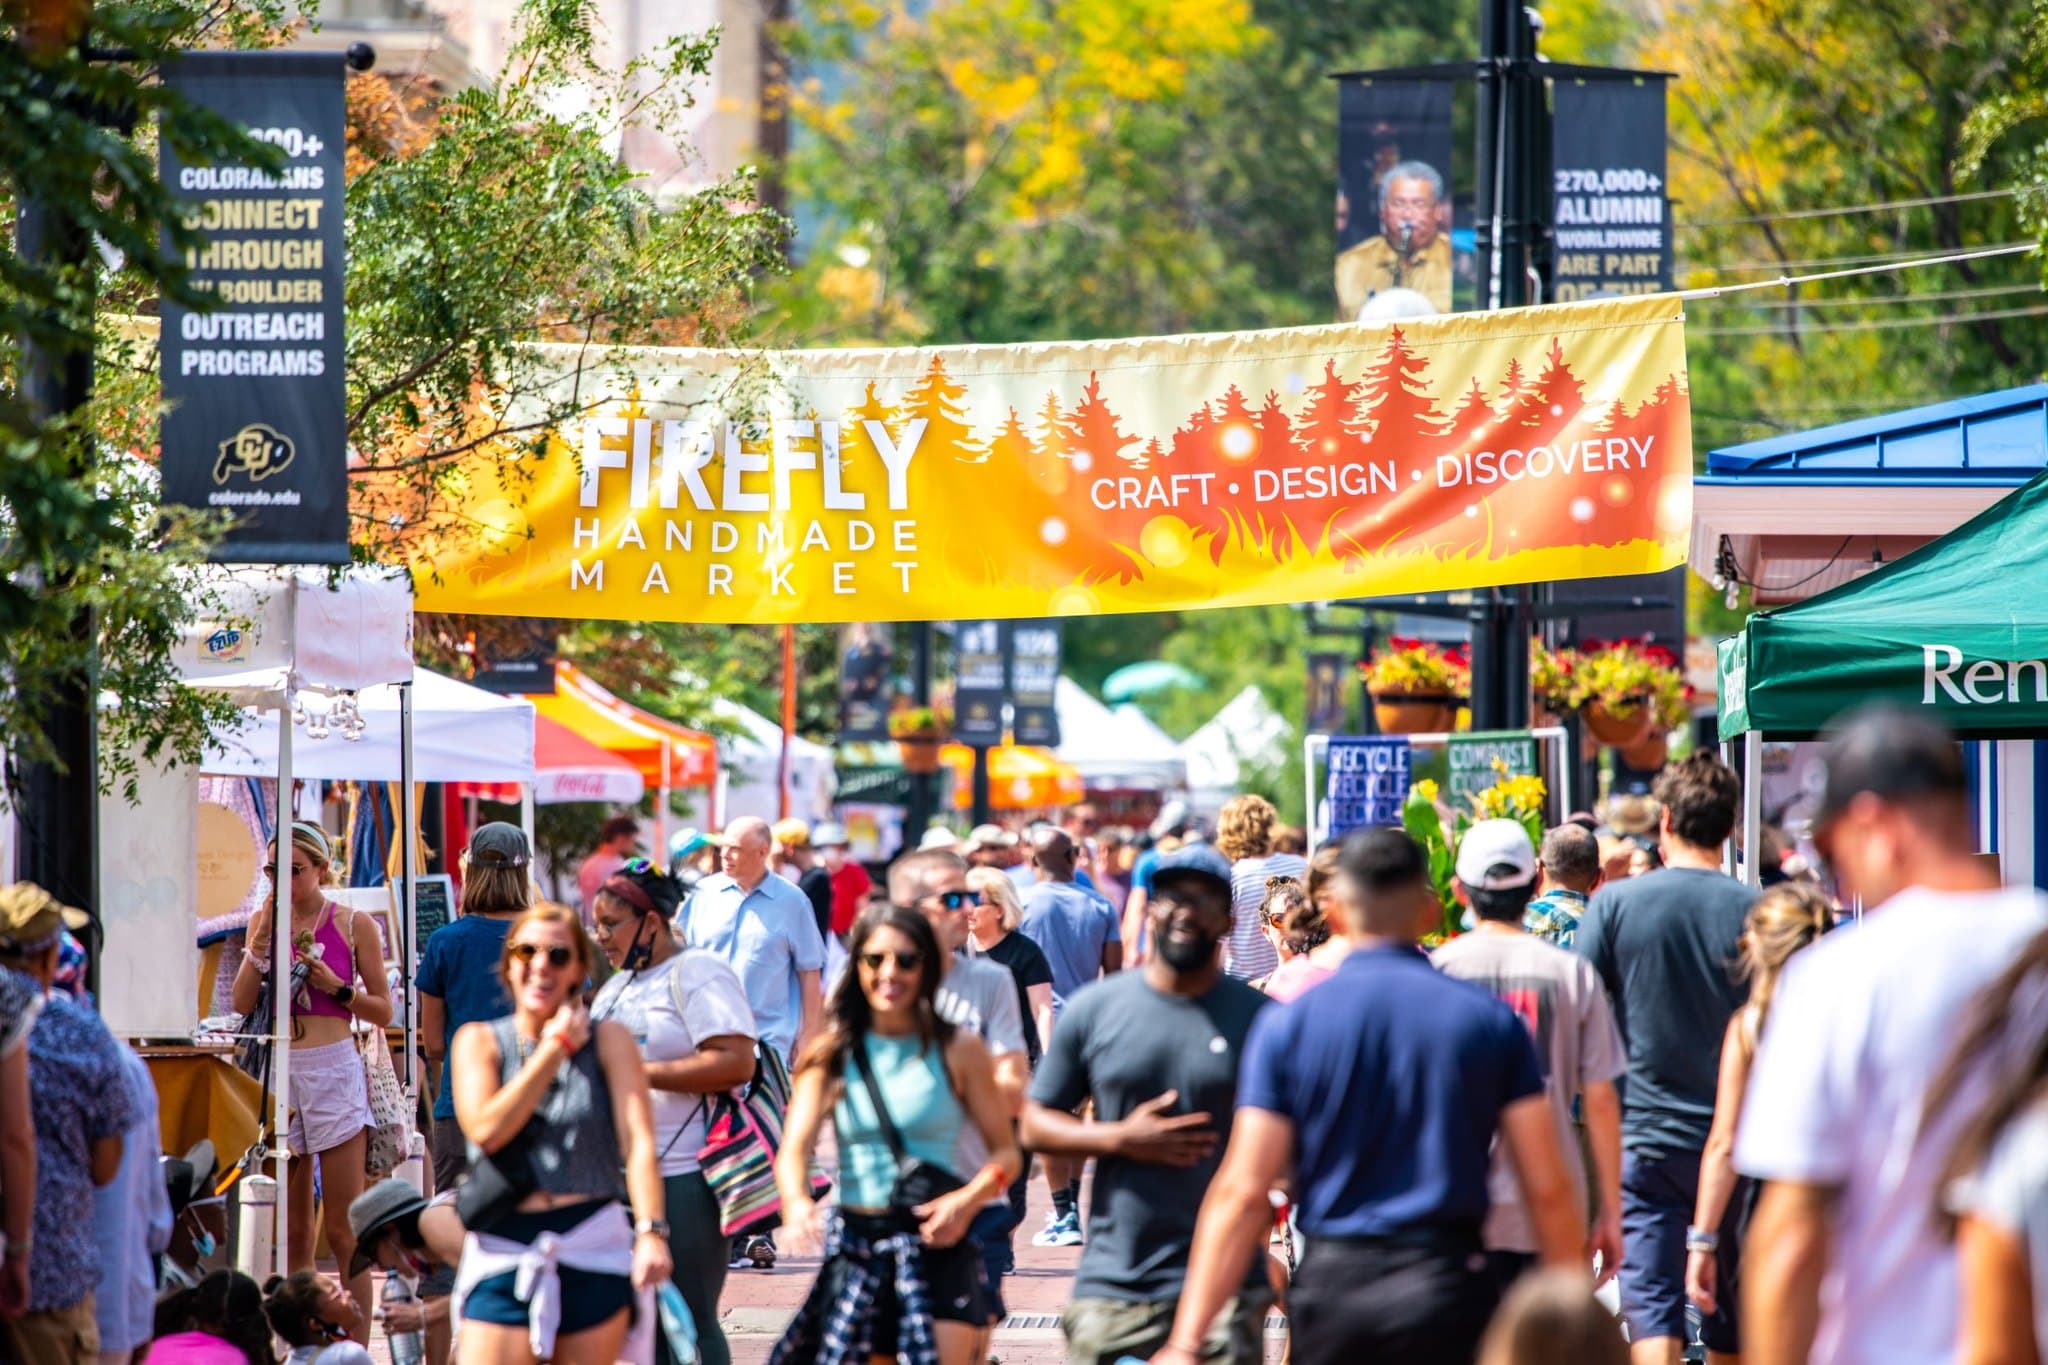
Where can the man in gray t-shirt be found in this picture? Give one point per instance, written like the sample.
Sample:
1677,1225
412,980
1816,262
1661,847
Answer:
1559,998
1157,1051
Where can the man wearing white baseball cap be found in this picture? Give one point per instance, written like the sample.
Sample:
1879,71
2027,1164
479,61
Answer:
1559,996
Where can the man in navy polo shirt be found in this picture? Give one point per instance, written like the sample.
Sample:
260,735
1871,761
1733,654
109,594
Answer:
1381,1091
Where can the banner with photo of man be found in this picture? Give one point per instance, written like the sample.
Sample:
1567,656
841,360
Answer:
1393,198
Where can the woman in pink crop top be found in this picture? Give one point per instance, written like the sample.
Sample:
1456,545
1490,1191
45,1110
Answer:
344,982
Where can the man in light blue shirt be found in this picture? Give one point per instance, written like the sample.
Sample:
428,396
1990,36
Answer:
766,928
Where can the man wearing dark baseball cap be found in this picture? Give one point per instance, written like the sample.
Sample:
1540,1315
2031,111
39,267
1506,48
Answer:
1861,1024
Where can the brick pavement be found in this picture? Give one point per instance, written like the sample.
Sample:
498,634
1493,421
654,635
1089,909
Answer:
757,1304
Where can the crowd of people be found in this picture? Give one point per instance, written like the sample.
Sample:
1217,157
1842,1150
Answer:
1805,1123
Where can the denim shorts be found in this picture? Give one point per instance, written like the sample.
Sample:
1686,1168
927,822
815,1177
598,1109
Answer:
1658,1193
588,1298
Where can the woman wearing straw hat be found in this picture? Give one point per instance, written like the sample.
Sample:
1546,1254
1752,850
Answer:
329,1092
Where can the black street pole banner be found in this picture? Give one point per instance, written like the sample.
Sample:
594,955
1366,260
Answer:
1034,682
1393,197
867,658
1326,709
1609,209
255,421
978,683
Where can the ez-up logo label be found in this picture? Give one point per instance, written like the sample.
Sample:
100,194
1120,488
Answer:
1985,682
227,645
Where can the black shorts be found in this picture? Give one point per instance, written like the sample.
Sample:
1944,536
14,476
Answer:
953,1277
1390,1304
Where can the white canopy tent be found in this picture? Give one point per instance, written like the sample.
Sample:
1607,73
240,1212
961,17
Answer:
1247,729
282,635
1119,748
751,775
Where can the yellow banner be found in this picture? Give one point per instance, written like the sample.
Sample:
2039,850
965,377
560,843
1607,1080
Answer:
1081,477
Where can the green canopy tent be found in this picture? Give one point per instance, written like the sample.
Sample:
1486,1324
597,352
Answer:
1959,627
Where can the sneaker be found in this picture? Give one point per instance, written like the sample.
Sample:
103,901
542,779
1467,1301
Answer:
1044,1236
1066,1232
739,1261
761,1254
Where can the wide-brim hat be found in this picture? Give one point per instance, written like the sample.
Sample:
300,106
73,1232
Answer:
374,1211
188,1179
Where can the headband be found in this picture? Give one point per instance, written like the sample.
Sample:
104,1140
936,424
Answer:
629,891
313,839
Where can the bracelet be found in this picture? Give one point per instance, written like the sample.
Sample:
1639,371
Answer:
260,961
1002,1177
1702,1239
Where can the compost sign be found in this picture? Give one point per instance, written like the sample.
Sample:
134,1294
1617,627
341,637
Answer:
1474,762
255,421
1076,478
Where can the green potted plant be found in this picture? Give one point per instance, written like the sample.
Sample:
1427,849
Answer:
1670,707
1550,681
1511,798
1614,686
1416,687
918,732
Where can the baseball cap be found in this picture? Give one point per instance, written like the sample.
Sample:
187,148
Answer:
1893,754
829,834
30,917
791,833
498,844
374,1210
688,840
1496,855
938,836
1194,863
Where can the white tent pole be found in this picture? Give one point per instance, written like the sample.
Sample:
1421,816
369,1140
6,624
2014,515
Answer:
408,882
281,984
526,813
661,805
1728,849
1752,808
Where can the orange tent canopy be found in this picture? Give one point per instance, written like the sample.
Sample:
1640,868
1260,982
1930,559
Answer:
667,754
1018,778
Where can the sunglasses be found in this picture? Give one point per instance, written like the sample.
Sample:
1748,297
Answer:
956,901
557,955
905,962
636,867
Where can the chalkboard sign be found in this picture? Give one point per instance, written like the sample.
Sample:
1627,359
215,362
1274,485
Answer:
433,905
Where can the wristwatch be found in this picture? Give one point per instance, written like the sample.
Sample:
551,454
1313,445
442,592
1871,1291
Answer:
345,995
657,1226
1701,1239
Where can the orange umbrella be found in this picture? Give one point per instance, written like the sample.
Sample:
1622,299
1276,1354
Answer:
1018,778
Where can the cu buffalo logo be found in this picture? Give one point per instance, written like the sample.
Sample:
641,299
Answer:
256,450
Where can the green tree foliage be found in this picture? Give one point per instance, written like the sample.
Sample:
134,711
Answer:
1776,118
1262,647
95,586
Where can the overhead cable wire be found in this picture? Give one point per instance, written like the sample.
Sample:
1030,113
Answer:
1874,324
1786,281
1919,254
1885,300
1847,210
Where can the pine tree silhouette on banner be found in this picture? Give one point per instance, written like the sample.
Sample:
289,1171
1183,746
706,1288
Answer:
1395,400
1322,429
1053,447
855,449
936,398
1099,431
1472,415
1009,446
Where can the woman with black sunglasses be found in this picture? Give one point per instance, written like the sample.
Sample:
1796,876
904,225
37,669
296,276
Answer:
689,1015
557,1114
901,1086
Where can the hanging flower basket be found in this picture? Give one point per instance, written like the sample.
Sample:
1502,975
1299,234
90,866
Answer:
1619,724
919,754
1414,713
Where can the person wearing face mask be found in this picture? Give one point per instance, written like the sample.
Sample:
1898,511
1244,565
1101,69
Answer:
1157,1052
689,1015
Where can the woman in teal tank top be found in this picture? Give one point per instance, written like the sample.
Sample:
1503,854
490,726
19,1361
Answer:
921,1283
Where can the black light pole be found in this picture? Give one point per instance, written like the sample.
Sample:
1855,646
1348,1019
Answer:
56,801
1513,149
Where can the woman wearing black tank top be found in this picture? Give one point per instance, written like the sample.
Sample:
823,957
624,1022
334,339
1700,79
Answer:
573,1096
